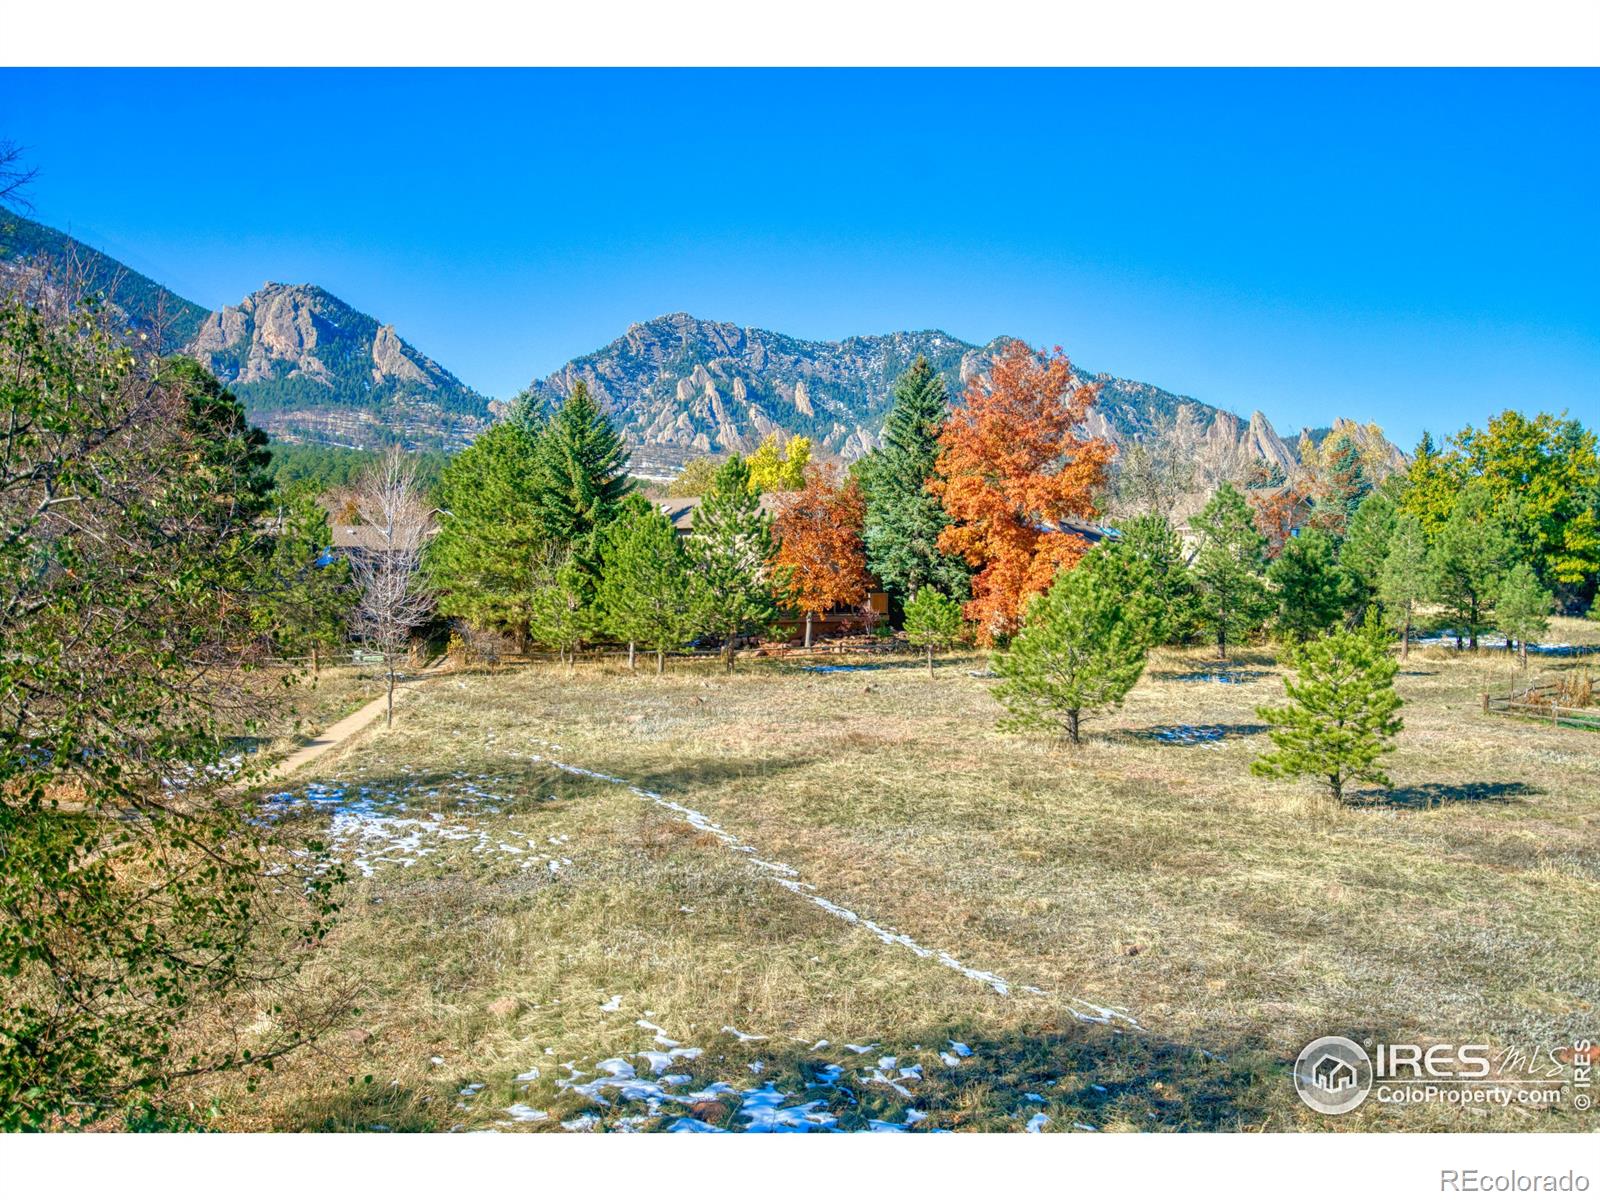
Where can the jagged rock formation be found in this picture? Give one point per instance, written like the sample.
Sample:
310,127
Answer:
679,387
308,366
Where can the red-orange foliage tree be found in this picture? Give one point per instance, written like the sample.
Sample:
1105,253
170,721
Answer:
1011,467
820,557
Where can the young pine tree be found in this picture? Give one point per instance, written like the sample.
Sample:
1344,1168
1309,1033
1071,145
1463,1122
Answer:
1082,648
645,596
304,606
933,620
1468,560
490,533
904,520
1342,713
1403,578
730,550
1523,609
1153,543
1365,546
1227,569
563,616
1310,588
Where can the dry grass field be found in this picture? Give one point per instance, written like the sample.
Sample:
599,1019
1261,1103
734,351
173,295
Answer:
842,899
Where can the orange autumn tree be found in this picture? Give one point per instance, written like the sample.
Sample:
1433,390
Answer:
820,557
1011,467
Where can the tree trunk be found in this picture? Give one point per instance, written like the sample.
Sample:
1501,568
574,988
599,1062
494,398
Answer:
630,656
661,659
1522,648
1336,783
388,715
930,660
1072,725
727,655
313,659
1405,640
808,631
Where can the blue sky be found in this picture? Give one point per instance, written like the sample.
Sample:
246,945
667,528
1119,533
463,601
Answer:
1416,248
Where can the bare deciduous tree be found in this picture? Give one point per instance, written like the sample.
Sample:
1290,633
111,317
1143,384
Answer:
387,565
14,177
1155,470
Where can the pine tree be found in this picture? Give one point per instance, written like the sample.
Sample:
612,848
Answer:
1523,609
730,551
904,520
1310,589
582,476
305,608
562,616
645,595
1361,556
933,620
1468,560
1403,579
1341,485
1152,542
1342,715
1082,648
1227,569
491,533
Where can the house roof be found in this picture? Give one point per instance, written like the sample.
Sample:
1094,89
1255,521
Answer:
680,510
367,537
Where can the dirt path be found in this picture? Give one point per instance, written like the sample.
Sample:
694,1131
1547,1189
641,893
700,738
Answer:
343,730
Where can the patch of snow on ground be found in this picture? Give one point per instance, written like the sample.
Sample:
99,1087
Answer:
1191,735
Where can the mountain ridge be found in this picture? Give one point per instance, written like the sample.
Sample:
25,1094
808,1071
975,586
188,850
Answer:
310,367
680,386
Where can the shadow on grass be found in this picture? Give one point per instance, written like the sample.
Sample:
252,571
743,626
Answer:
1438,795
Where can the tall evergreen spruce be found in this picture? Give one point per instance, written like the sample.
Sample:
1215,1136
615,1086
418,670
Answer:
1310,588
490,534
1082,647
1227,568
1523,610
730,551
1342,715
582,476
1403,579
933,621
904,520
645,597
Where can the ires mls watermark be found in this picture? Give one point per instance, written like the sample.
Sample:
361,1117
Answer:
1337,1075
